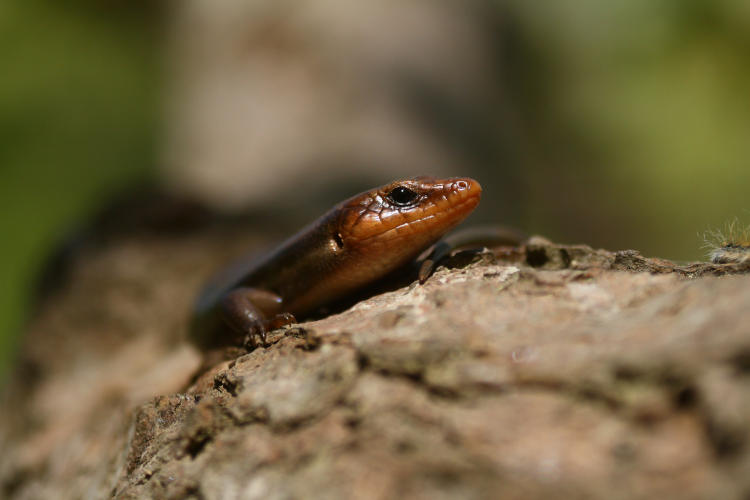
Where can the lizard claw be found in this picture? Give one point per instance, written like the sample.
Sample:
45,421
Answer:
257,336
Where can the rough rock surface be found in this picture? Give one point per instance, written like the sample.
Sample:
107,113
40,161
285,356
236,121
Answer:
545,371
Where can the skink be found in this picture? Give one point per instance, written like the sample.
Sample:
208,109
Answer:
352,245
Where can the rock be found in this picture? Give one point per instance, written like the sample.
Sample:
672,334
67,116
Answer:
549,370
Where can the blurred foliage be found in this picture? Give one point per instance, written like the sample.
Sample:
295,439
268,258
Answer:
78,97
641,116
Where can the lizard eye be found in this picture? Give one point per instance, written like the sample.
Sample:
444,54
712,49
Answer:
402,196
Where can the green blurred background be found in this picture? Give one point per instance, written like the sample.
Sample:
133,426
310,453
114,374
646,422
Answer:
636,116
79,86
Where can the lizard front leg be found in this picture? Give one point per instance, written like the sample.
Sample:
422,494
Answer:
250,313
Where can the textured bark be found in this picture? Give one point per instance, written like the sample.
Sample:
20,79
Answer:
542,371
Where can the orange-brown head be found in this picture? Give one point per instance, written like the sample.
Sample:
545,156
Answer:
392,224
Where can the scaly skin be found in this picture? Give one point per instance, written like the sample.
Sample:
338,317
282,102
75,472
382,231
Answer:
355,243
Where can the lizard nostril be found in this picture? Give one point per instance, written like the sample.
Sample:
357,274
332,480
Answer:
461,185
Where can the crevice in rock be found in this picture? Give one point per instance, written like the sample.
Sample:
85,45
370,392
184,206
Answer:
741,361
197,443
222,382
536,256
726,443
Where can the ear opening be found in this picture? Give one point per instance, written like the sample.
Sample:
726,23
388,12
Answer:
338,240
